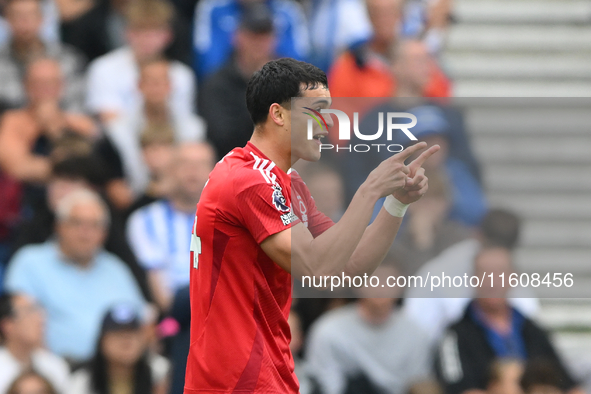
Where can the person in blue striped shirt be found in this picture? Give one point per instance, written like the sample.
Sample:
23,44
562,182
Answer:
160,233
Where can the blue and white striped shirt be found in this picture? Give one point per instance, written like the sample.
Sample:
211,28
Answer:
160,237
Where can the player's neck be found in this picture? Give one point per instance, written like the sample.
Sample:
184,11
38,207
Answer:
272,149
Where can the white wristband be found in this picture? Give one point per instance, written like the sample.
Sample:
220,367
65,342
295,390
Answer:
395,207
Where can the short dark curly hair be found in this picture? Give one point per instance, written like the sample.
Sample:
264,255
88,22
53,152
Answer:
277,82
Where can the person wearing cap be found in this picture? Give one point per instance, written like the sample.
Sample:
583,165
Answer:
216,22
122,362
435,125
222,101
468,201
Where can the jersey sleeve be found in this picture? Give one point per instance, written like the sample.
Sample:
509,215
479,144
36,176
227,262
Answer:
265,209
317,221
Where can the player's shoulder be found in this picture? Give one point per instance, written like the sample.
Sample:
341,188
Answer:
245,168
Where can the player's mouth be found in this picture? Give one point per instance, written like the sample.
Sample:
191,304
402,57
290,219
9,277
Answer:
318,137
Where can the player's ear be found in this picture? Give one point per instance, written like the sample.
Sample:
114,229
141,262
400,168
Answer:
277,114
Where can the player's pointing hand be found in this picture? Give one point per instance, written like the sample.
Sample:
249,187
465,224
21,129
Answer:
416,182
392,173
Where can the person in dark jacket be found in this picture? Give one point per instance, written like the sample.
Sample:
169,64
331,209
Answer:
492,329
221,101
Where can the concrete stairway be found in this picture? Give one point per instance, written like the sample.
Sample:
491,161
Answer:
535,154
537,48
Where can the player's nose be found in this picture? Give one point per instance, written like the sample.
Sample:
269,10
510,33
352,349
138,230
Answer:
328,119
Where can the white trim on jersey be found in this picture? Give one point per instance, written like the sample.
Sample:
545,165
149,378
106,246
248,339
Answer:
264,166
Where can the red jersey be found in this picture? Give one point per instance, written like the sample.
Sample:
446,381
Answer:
240,299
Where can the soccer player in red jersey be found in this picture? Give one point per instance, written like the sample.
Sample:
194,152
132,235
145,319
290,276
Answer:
249,237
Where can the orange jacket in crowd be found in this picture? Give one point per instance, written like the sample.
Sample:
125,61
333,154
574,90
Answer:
347,79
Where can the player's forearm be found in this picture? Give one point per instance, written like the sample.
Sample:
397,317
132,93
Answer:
374,245
329,253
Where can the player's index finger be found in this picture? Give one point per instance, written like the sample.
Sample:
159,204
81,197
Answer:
418,162
408,152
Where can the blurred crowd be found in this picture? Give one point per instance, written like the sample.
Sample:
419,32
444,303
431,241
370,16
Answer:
113,113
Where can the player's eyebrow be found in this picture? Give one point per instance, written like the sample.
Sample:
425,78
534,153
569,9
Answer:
322,101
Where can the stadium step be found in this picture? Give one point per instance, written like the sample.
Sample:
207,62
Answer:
519,117
525,38
556,149
544,259
492,88
537,178
535,205
522,12
536,66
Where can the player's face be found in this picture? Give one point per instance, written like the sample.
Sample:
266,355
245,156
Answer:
304,111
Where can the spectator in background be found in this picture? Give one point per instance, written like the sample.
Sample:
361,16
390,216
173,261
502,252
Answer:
428,19
504,377
216,22
295,345
49,31
222,101
160,233
122,362
435,310
364,70
10,216
541,377
491,328
27,135
157,151
96,27
25,19
31,383
336,26
156,113
21,331
69,175
369,346
428,230
468,203
427,386
72,277
112,87
180,311
410,67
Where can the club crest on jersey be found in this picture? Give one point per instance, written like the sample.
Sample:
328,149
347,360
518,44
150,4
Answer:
279,200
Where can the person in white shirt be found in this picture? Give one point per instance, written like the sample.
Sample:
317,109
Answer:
22,326
156,112
112,86
160,233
